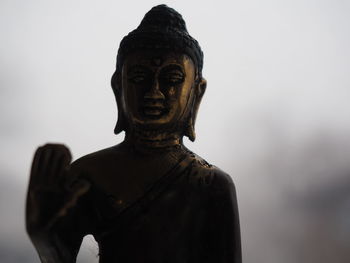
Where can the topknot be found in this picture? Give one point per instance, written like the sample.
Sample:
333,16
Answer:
162,28
163,16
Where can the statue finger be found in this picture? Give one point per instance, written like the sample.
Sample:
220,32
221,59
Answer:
62,149
59,166
45,164
55,158
54,168
62,163
34,173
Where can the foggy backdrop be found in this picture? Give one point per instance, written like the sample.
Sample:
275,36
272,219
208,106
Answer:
276,114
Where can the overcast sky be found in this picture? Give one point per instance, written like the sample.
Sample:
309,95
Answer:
275,115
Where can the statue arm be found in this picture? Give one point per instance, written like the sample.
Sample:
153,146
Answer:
225,238
60,244
59,241
54,206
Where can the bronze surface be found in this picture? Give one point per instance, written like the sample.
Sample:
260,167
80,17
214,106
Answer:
148,199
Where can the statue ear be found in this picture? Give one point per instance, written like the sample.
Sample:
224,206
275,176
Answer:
198,95
116,85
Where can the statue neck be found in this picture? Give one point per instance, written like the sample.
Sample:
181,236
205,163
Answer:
154,139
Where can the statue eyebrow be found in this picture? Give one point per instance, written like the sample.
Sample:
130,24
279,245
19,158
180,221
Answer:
138,69
174,67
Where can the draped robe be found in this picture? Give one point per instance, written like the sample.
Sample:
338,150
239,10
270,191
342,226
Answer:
188,214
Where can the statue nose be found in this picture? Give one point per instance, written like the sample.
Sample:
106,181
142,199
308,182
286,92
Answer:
154,93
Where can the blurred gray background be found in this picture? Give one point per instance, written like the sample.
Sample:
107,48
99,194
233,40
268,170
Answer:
278,91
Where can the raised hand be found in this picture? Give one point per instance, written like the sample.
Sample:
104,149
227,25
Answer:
53,190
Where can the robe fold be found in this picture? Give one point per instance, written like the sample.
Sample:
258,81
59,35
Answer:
189,215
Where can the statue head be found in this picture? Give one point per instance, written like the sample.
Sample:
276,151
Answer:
158,81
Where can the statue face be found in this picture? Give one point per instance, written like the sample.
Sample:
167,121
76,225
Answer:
157,88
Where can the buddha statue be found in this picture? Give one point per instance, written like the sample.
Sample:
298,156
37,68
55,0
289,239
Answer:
149,198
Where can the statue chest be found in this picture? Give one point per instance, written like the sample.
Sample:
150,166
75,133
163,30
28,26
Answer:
121,183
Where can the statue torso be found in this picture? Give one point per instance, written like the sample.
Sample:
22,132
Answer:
149,207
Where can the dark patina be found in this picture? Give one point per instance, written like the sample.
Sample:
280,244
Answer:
148,199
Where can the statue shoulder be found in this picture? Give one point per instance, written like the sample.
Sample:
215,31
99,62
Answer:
89,163
209,175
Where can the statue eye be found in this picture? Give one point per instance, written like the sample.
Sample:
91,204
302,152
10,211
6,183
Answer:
173,77
138,79
138,75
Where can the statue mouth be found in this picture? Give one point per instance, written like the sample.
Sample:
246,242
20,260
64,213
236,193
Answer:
153,109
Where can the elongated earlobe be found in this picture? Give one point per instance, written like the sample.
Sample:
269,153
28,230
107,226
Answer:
121,123
190,133
199,92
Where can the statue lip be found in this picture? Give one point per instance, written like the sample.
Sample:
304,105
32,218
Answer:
153,111
153,104
153,108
